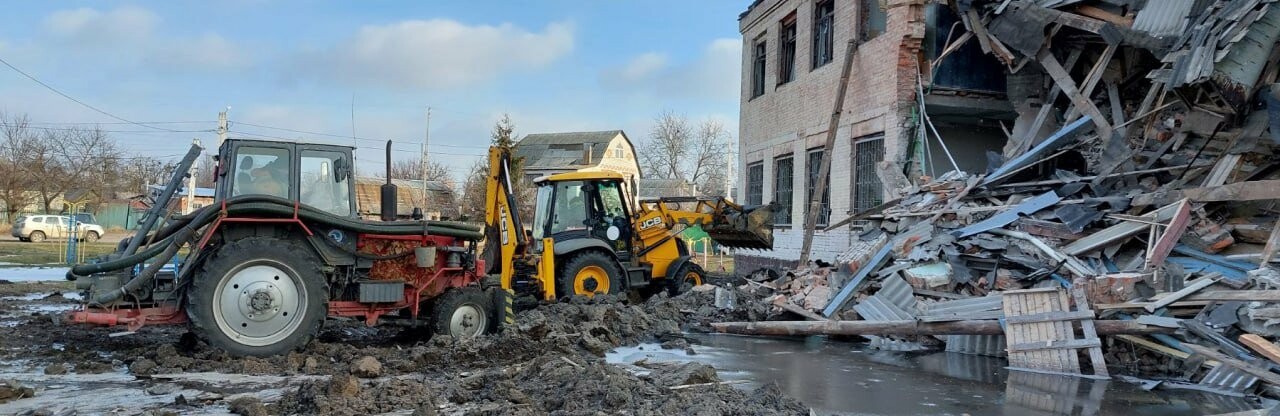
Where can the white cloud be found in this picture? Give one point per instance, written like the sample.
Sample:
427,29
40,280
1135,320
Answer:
439,53
713,75
92,27
209,51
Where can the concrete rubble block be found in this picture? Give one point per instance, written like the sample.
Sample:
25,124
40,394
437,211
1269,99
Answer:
928,276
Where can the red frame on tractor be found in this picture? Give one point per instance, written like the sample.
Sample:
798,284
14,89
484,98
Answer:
419,283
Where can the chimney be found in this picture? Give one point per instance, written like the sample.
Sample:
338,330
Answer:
586,153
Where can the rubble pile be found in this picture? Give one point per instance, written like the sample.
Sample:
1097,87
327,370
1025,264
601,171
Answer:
1139,176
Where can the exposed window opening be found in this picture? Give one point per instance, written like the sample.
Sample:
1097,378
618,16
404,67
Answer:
757,69
787,49
823,33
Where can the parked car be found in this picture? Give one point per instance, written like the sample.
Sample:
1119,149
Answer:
37,228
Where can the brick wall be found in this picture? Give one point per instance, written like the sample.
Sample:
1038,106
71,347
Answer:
793,118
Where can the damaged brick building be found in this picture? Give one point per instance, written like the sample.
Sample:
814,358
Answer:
792,57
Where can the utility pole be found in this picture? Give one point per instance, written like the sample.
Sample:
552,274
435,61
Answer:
426,191
191,179
222,126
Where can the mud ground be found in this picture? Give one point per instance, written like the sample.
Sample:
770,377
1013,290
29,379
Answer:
549,362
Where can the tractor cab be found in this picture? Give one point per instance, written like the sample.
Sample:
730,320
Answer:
584,209
316,175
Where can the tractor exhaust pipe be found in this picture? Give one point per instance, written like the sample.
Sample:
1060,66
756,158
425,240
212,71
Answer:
389,197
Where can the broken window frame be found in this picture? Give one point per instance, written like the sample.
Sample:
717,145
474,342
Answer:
787,31
758,66
823,33
867,191
812,165
783,188
872,20
755,183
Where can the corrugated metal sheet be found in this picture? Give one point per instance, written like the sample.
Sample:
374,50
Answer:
896,291
1167,18
876,308
989,345
986,307
1241,67
1229,379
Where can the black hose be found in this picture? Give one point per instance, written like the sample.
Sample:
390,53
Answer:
153,250
149,272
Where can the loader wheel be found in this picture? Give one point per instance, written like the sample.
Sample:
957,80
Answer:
258,296
689,275
464,312
589,273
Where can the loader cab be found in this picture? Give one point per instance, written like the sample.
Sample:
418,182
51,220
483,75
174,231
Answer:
584,209
316,175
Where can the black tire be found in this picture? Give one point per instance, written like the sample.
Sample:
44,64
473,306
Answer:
91,236
260,264
36,237
463,312
594,263
689,275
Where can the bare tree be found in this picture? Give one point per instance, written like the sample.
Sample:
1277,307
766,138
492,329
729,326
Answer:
15,181
474,186
677,150
411,169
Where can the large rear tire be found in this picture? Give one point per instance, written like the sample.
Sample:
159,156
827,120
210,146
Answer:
463,312
588,273
258,296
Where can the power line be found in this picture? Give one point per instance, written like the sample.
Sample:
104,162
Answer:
393,147
86,105
347,136
115,131
114,122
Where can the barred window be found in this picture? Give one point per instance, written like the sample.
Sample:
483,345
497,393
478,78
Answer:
813,165
867,190
783,173
755,183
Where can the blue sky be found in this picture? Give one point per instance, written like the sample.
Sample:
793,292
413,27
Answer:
554,65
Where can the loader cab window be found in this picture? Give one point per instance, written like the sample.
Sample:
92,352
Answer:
613,223
570,207
321,184
542,211
262,171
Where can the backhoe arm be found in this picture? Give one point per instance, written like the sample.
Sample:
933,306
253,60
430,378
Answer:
727,223
502,218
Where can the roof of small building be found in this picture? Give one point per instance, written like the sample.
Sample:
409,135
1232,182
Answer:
200,192
408,196
561,150
661,188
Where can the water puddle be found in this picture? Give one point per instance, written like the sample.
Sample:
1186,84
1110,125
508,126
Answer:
33,274
842,378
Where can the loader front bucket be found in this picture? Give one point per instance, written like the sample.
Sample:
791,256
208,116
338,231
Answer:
751,228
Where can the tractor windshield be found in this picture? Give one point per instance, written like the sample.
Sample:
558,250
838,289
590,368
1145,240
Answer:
319,183
261,170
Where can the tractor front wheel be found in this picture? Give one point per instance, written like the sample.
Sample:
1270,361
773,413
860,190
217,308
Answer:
463,312
258,296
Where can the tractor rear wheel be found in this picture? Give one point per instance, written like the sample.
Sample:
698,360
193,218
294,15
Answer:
463,312
689,275
589,273
258,296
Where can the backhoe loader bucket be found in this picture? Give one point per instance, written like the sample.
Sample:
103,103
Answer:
752,228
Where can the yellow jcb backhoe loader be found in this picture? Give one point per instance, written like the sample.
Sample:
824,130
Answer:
590,236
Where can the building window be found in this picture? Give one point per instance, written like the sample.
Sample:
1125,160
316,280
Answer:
823,33
617,152
867,190
757,69
813,164
873,19
783,172
787,50
755,183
